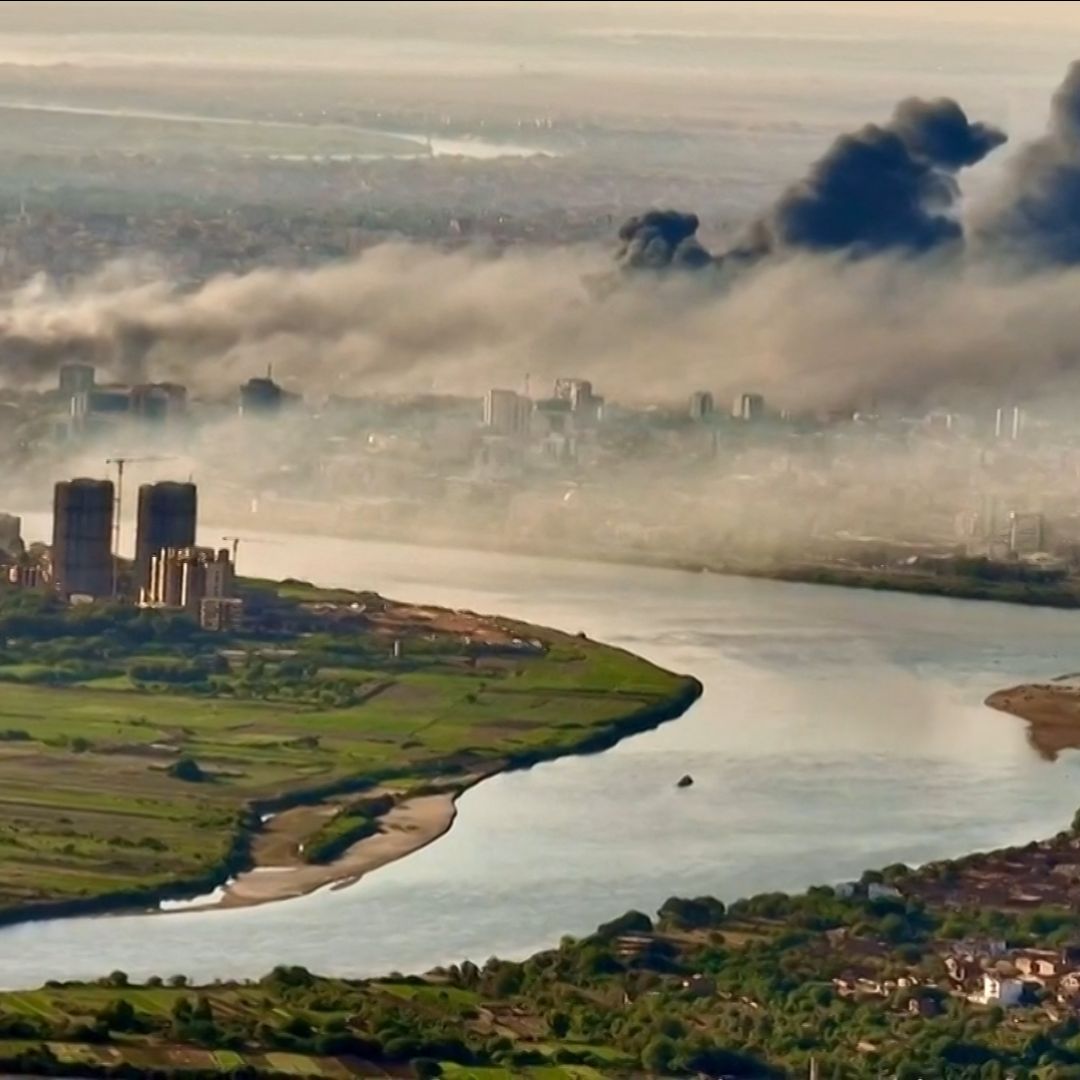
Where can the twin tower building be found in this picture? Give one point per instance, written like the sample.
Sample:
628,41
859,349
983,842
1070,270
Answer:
169,570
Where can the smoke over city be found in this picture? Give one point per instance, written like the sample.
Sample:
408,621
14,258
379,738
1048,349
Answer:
882,188
800,320
1037,216
661,239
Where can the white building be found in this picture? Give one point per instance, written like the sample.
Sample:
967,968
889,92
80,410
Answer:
1026,533
506,412
877,891
999,990
586,407
748,407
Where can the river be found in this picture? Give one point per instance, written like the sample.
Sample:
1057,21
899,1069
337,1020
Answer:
412,144
839,729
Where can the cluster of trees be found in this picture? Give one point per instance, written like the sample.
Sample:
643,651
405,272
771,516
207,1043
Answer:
49,642
179,672
45,641
769,1003
767,1007
41,617
295,679
358,820
1035,587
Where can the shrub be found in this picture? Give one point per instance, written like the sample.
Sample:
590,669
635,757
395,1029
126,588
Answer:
188,770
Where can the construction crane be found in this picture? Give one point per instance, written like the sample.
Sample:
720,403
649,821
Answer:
120,461
235,542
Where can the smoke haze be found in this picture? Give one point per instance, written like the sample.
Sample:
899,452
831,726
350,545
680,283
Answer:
809,330
805,324
1037,215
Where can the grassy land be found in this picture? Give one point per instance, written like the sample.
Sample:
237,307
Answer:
93,721
271,1028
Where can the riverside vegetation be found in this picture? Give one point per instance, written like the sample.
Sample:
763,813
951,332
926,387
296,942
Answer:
867,980
138,752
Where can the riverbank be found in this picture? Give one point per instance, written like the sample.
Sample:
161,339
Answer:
279,870
265,863
1051,711
902,972
1063,594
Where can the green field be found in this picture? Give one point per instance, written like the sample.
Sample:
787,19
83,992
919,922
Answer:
96,710
287,1024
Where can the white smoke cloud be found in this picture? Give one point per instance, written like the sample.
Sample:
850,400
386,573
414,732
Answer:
807,330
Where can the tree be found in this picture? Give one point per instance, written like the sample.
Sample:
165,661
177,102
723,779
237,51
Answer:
298,1027
188,770
633,922
507,981
118,1015
559,1023
658,1054
716,1061
295,975
426,1069
693,914
894,928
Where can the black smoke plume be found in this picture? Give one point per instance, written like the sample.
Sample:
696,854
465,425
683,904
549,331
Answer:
884,187
1038,215
662,239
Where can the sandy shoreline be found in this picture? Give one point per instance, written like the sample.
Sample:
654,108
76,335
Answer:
1051,710
280,872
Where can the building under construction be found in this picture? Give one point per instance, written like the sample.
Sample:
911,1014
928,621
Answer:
75,379
166,519
82,537
11,541
195,580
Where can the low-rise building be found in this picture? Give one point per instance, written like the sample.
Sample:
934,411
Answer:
877,890
1038,963
221,614
999,990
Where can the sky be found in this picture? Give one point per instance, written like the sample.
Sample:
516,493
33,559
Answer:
115,15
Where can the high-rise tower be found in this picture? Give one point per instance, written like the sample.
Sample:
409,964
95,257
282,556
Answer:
82,537
166,519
